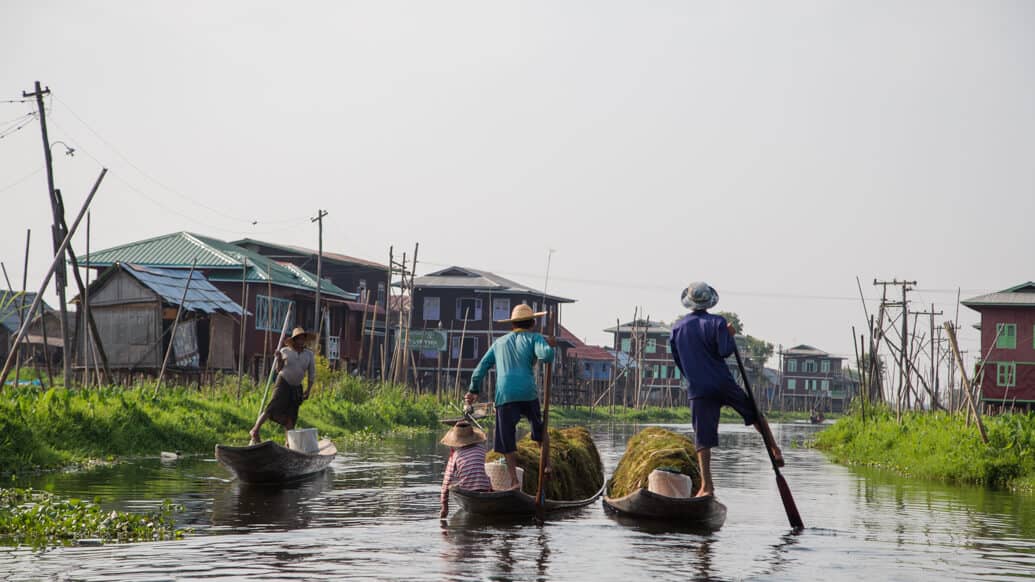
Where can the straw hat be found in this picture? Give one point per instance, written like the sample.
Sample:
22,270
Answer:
463,434
307,338
699,295
522,312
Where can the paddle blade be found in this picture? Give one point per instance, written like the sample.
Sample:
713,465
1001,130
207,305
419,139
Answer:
788,502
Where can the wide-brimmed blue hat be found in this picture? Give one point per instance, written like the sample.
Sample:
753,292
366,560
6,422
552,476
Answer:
699,295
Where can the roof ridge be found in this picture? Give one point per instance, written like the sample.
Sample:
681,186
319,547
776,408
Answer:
196,240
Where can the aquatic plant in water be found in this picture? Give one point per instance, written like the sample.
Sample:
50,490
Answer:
576,470
653,448
38,518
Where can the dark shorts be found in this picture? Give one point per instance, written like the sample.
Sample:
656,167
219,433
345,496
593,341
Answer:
504,438
706,415
283,407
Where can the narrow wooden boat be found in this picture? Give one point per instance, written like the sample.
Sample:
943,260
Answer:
705,512
511,502
269,462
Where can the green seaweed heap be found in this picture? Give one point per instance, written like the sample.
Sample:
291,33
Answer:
653,448
576,469
37,518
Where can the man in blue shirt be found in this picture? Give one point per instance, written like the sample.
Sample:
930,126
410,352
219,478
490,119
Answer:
514,355
701,342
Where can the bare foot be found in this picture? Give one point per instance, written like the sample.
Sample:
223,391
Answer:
705,493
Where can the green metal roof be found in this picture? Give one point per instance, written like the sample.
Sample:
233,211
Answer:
220,259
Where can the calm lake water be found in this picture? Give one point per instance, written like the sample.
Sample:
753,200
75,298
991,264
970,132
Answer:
375,516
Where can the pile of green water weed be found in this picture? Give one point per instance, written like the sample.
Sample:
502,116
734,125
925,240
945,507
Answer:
653,448
576,471
39,519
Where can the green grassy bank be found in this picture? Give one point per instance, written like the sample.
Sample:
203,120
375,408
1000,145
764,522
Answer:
58,426
938,446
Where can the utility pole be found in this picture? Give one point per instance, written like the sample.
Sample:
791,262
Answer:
61,274
905,381
933,349
320,213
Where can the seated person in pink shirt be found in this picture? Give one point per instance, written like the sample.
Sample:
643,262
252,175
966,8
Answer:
466,466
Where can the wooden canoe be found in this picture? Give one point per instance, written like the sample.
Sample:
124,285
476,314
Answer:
705,512
269,462
512,502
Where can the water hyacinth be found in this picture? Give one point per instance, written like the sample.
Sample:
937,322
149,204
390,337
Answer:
38,519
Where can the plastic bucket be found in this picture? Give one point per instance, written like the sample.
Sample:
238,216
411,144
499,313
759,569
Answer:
499,476
303,440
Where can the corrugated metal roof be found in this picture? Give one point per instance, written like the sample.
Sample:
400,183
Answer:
805,350
221,259
303,251
641,326
10,308
1022,295
478,280
169,283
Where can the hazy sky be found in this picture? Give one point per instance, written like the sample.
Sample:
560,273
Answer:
775,149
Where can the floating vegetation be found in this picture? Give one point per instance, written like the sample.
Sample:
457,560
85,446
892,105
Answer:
653,448
37,518
937,445
576,469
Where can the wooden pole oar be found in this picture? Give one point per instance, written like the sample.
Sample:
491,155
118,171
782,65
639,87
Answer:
544,449
273,367
785,491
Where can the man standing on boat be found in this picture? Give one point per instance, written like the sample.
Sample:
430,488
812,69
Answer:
294,361
700,343
514,356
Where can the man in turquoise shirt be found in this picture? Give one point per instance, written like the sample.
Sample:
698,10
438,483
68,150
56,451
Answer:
516,394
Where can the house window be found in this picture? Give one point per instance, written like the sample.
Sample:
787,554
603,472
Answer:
380,293
361,288
668,348
652,346
263,306
500,309
655,371
792,365
431,309
469,308
470,350
824,385
824,366
792,384
626,344
1006,374
676,373
810,366
663,371
1007,335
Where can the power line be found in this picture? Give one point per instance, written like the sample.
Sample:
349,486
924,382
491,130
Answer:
147,175
22,179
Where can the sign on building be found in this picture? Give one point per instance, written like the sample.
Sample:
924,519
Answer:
428,340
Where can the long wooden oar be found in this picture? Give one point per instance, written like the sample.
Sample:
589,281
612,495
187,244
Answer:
785,491
273,367
544,449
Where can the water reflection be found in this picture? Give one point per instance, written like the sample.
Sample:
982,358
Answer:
375,516
245,505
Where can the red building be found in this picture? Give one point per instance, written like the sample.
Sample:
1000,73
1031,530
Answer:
645,343
460,307
1008,338
814,380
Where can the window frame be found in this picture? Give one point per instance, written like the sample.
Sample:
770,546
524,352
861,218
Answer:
456,348
651,346
426,312
824,366
792,365
792,384
1004,338
1006,371
475,314
625,345
500,314
279,305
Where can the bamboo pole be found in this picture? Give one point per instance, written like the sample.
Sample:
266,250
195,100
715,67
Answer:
55,263
21,298
176,323
273,367
244,321
460,356
951,333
